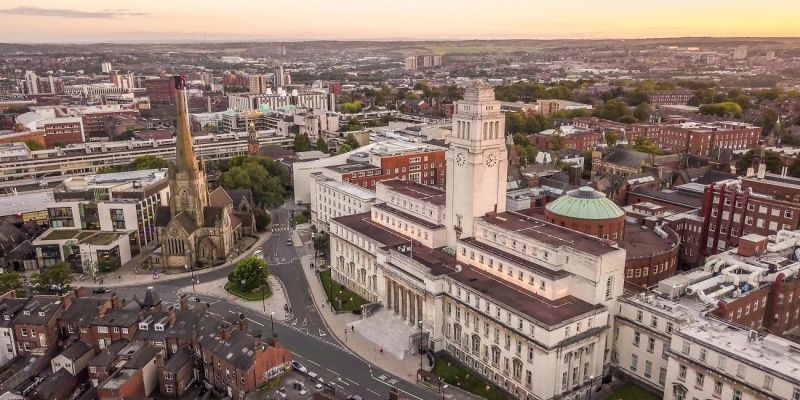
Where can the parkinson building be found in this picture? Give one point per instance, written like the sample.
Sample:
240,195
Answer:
524,302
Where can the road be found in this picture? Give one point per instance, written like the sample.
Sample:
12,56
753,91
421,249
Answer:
304,332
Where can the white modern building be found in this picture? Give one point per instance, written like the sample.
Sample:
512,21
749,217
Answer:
526,304
331,199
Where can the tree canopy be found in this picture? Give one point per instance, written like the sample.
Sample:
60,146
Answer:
11,280
249,274
352,107
266,178
351,141
772,159
725,109
646,145
612,110
33,145
344,148
321,145
519,122
55,278
302,143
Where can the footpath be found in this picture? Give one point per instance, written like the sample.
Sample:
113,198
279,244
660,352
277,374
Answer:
339,326
128,275
274,305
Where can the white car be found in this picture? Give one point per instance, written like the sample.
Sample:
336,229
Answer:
296,365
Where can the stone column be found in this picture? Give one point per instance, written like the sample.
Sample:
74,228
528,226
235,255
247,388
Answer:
419,308
396,294
404,301
411,309
388,293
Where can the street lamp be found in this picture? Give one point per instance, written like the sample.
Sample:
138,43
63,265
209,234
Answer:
263,283
591,385
272,324
420,344
191,268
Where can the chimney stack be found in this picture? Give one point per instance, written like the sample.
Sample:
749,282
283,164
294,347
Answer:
171,315
242,323
184,302
116,301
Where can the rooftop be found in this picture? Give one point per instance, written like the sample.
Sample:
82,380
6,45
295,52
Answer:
350,189
429,194
25,202
639,242
585,203
546,311
551,234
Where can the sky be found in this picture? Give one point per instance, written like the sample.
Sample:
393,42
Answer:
196,20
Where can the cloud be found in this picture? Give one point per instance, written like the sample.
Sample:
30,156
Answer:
64,13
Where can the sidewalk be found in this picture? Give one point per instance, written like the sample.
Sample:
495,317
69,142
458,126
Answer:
129,277
274,304
338,325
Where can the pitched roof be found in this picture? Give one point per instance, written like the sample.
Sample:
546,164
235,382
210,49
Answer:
628,158
82,310
55,383
178,360
163,216
77,349
219,198
151,298
211,215
108,356
237,195
186,222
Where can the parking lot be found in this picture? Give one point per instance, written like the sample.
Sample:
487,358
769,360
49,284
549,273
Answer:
293,385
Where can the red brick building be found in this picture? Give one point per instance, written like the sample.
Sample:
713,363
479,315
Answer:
580,139
426,167
36,327
671,97
161,91
63,131
733,208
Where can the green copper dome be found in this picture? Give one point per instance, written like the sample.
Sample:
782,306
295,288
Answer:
585,203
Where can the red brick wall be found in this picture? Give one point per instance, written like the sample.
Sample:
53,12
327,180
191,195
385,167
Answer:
161,91
436,174
605,228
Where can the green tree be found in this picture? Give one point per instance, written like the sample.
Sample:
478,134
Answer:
613,110
642,112
11,280
267,179
321,145
249,274
344,148
262,218
147,162
351,141
33,145
322,243
727,109
768,120
352,107
301,143
628,119
521,139
646,145
353,125
56,277
637,97
772,159
558,142
611,138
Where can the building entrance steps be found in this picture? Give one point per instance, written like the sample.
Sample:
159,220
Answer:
387,330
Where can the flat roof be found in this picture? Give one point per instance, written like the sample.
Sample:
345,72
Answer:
429,194
639,242
349,188
546,232
25,202
549,312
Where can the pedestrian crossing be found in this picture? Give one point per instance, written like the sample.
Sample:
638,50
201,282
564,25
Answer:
280,228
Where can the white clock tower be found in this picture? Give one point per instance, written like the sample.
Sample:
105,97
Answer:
477,162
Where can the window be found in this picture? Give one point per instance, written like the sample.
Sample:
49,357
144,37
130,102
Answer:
669,327
651,345
102,329
721,362
768,380
654,321
686,347
634,362
648,369
717,388
682,372
796,394
662,376
609,287
639,316
741,371
737,394
703,355
636,337
700,379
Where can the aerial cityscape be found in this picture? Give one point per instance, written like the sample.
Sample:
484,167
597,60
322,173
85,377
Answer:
405,201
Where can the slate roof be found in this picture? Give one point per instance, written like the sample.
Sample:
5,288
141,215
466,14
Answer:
628,158
219,198
142,357
151,298
10,307
77,349
118,318
178,360
108,355
238,349
186,222
53,384
237,195
40,309
82,310
211,215
163,216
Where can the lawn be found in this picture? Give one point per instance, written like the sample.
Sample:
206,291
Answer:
253,295
631,391
61,234
300,219
455,374
349,300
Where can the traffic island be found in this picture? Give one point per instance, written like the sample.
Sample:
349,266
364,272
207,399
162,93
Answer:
256,294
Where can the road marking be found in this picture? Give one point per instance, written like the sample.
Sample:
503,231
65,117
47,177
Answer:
305,321
312,361
255,322
294,323
388,384
374,392
352,381
333,372
321,333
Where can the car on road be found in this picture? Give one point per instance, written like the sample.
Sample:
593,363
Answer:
101,290
299,367
258,253
355,397
289,242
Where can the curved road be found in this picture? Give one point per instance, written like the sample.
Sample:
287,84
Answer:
304,332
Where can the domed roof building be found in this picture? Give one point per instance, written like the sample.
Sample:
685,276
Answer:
588,211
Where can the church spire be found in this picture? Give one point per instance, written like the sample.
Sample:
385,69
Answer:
185,159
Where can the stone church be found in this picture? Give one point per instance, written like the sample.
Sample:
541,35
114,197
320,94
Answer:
199,228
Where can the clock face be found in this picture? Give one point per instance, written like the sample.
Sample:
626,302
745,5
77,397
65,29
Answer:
491,159
461,159
174,231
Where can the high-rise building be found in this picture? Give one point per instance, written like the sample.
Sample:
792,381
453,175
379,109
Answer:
31,82
259,83
278,78
105,67
740,53
410,63
160,91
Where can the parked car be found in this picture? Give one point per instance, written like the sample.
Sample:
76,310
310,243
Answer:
289,242
299,367
101,290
